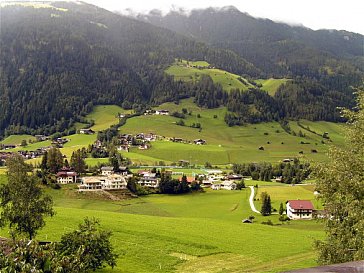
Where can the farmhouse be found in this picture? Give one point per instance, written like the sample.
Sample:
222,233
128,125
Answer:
299,209
41,137
199,141
87,131
228,185
162,112
66,177
107,170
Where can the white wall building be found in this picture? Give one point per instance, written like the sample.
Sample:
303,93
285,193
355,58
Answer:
299,209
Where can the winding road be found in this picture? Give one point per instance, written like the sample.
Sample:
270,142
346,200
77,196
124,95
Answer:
251,200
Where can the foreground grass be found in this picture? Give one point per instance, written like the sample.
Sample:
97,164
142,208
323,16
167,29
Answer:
196,232
199,232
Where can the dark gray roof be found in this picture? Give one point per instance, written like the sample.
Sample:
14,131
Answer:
350,267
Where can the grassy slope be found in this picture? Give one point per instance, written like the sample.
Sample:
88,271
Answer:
226,144
227,80
271,85
105,116
17,139
156,233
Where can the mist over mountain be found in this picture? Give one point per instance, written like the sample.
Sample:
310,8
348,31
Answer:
276,48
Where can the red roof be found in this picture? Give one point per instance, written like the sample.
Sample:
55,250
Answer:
300,204
190,179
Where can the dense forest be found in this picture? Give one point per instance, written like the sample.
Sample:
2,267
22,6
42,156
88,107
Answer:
56,63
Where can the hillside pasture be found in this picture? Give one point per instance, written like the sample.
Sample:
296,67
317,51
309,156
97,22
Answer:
225,145
193,71
105,116
271,85
17,139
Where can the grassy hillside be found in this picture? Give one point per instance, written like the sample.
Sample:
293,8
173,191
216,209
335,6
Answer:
17,139
199,232
225,145
228,144
192,71
105,116
271,85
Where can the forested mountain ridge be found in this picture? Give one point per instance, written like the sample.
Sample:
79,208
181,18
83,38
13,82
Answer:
60,59
276,48
63,58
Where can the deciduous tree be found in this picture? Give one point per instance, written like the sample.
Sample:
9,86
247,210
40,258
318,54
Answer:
341,186
23,203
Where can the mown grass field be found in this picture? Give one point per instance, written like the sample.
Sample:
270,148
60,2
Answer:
193,71
225,144
105,116
271,85
199,232
17,139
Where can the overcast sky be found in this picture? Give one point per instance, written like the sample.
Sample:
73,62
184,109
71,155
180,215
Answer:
315,14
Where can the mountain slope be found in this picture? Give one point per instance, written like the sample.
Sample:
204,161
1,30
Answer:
275,48
60,58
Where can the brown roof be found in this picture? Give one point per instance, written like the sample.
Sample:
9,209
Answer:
66,174
300,204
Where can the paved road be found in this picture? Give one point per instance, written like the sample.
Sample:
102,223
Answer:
251,200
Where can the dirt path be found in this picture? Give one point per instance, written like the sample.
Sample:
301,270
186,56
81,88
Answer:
251,200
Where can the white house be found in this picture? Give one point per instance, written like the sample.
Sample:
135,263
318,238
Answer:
65,177
113,182
110,182
107,170
299,209
162,112
87,131
90,183
228,185
216,186
150,182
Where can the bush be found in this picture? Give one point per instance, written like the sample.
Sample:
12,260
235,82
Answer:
269,223
284,218
90,244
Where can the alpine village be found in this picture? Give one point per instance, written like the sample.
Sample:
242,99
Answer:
203,141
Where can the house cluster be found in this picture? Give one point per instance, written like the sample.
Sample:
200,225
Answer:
141,140
156,112
25,154
218,181
108,180
198,141
59,142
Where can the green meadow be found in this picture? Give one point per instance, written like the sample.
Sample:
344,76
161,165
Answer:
105,116
17,139
199,232
226,145
271,85
193,71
